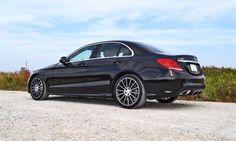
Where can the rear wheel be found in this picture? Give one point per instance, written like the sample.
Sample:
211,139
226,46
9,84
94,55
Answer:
38,89
129,91
166,99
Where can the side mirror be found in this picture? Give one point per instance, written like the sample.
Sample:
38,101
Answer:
64,60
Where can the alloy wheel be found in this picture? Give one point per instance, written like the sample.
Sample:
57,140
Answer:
127,91
36,87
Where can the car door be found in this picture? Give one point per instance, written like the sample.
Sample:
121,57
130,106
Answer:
72,77
109,60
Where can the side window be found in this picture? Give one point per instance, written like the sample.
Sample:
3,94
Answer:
108,50
124,51
83,54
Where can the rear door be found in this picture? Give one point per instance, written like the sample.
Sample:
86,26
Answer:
103,66
109,60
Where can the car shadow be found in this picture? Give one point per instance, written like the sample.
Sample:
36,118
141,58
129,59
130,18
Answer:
175,105
150,104
87,100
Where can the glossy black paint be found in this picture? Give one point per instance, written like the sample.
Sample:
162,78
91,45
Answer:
97,76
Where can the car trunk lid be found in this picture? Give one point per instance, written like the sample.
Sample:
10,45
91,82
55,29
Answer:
190,64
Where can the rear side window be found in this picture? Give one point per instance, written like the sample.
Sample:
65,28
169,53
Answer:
108,50
124,51
113,50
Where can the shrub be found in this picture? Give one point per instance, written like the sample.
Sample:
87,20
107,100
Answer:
14,81
220,85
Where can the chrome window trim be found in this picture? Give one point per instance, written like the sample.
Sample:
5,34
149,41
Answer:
100,43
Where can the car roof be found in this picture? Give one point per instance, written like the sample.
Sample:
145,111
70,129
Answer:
139,48
137,45
121,41
132,43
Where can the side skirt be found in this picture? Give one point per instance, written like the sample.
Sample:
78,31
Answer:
84,95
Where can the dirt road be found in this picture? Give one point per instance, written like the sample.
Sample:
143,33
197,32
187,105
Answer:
66,118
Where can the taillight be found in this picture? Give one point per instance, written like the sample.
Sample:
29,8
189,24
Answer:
169,64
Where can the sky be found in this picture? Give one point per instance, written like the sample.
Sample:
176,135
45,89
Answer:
41,31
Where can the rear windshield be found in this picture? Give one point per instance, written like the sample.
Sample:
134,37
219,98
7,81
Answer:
150,47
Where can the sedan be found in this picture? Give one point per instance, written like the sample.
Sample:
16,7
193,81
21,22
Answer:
130,72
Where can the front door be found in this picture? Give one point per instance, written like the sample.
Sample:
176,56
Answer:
72,78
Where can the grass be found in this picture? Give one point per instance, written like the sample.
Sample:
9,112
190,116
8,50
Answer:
14,81
220,84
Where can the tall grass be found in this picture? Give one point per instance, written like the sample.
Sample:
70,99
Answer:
14,81
220,84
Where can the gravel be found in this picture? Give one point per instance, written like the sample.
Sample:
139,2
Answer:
74,118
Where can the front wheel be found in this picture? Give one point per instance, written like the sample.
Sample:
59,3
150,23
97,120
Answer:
38,89
129,91
166,99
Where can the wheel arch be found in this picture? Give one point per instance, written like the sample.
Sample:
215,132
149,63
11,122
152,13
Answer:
30,79
116,77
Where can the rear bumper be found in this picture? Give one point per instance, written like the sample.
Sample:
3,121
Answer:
177,87
191,89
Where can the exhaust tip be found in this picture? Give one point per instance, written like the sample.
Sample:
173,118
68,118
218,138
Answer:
186,92
190,92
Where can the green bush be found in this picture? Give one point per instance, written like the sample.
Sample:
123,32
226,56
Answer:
220,85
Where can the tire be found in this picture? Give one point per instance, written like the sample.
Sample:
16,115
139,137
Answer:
167,99
129,92
38,89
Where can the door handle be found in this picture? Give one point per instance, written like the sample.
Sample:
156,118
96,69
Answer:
117,62
81,64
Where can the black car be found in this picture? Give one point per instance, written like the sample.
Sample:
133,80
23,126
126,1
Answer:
130,72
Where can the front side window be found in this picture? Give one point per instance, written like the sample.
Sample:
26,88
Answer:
108,50
83,54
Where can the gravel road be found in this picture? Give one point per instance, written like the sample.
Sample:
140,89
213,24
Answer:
73,118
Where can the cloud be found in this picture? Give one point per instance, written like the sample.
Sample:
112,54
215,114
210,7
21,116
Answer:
81,11
57,27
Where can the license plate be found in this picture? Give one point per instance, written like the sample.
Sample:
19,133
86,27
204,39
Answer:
193,68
